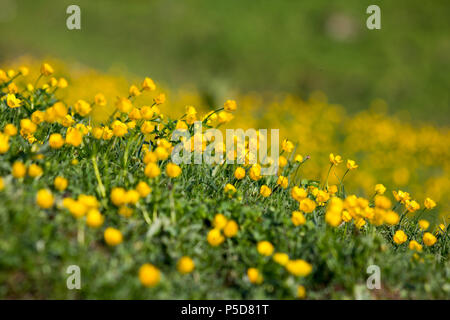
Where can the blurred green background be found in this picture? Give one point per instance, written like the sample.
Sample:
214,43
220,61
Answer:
268,46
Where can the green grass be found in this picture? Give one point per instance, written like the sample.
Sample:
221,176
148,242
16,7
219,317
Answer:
37,245
275,46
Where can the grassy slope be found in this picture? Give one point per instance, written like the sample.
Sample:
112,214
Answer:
221,46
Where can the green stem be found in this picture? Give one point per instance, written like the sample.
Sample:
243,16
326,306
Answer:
101,188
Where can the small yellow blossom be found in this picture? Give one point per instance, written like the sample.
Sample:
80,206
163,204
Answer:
94,218
44,198
265,248
429,239
149,275
400,237
298,218
185,265
214,237
112,236
254,276
265,191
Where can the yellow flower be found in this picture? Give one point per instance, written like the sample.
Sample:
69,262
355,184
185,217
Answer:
125,211
351,164
18,170
24,71
147,112
239,173
161,153
185,265
401,196
283,182
265,191
46,69
380,189
67,121
149,275
143,189
322,196
132,196
335,160
148,84
94,218
423,224
281,258
298,218
119,128
60,109
254,276
131,124
147,127
10,130
382,202
255,172
173,170
214,237
107,133
307,205
60,183
333,189
346,216
429,239
113,236
414,245
282,161
287,146
82,108
74,137
97,132
44,199
118,196
152,170
265,248
301,292
392,218
4,143
298,158
160,99
231,229
220,221
56,141
124,105
3,76
34,171
299,193
429,203
333,218
27,126
230,106
76,208
2,184
412,205
134,91
400,237
229,189
299,267
62,83
100,99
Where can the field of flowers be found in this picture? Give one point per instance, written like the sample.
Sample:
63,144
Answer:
86,179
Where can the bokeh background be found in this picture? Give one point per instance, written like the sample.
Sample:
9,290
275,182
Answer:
267,46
